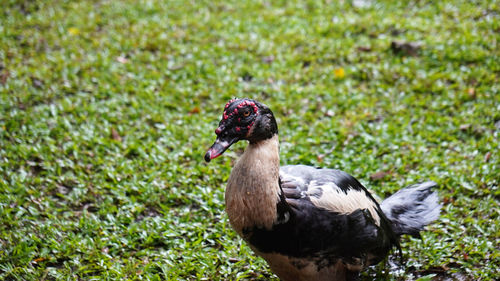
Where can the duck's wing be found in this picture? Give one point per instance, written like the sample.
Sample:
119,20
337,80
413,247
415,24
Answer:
330,215
329,189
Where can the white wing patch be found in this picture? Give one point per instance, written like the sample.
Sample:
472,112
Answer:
334,199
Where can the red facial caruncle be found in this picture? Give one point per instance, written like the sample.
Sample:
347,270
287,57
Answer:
229,113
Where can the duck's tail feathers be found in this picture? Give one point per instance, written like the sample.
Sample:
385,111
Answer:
412,208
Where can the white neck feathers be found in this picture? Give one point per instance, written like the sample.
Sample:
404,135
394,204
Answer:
253,187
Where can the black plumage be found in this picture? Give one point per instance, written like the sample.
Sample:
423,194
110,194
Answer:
309,223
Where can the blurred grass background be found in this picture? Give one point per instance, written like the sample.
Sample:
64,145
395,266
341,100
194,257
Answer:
107,107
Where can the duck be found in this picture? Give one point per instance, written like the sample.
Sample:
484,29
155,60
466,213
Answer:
309,223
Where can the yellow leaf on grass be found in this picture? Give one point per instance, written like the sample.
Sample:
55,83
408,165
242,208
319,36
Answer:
73,31
38,260
339,73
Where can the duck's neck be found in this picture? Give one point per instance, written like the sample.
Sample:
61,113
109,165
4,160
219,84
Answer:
252,191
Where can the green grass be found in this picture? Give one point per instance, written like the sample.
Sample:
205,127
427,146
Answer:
107,108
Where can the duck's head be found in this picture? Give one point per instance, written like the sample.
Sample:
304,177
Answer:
242,119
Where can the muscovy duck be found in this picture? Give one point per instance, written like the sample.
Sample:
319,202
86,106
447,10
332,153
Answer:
308,223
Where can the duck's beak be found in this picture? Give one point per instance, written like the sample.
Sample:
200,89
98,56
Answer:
220,145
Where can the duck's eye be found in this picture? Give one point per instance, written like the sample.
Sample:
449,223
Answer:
246,113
